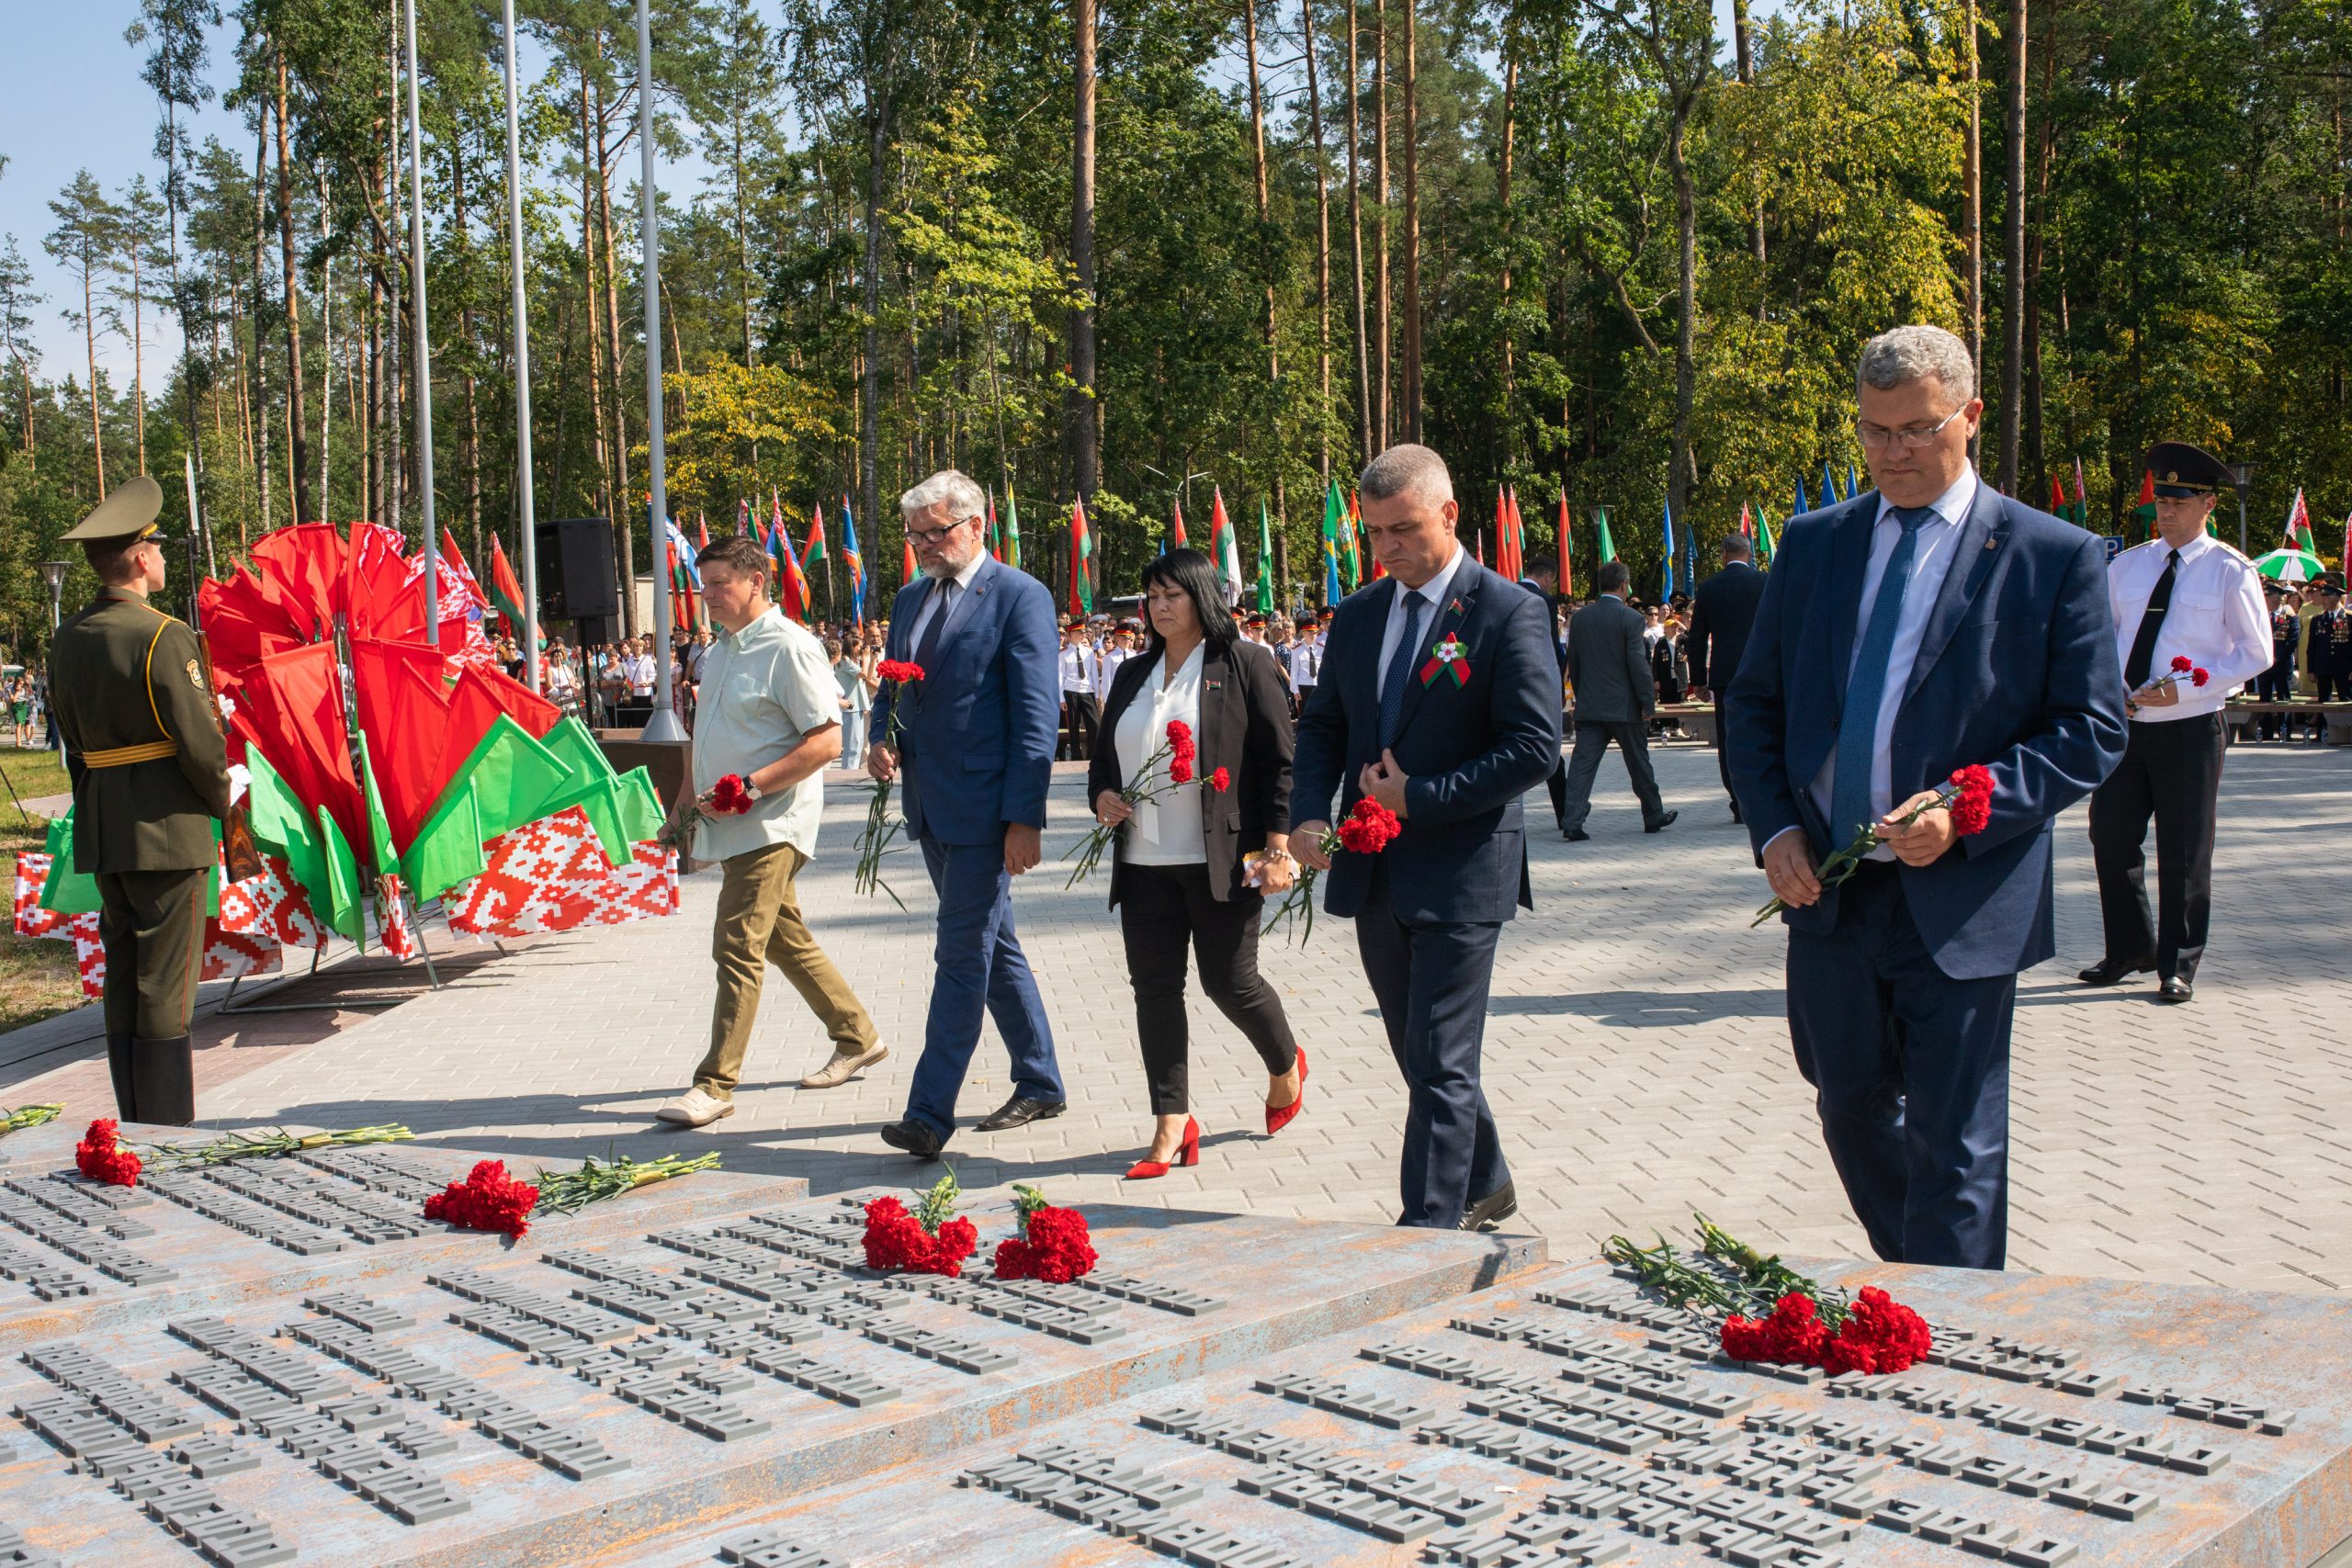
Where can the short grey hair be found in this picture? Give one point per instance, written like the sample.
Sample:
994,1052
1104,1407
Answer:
1407,467
963,499
1907,353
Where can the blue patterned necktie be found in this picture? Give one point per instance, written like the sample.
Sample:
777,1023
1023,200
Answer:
1849,790
1400,670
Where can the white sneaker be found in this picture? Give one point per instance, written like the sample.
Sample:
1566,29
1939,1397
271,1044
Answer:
843,1063
695,1108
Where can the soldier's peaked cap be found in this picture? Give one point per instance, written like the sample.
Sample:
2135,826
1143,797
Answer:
2192,467
129,513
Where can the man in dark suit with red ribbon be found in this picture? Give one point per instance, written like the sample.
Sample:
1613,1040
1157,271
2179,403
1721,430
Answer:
1441,700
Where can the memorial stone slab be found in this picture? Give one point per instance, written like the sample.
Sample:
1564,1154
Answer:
2108,1452
307,1377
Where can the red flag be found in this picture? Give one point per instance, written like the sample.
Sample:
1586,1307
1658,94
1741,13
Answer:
702,535
1567,584
1747,522
506,592
2057,496
1518,538
1176,530
1080,547
908,573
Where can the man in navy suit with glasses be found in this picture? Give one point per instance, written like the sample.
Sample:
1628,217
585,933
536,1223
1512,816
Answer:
1439,698
1927,625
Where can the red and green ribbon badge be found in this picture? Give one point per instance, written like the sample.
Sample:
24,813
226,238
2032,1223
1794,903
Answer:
1445,655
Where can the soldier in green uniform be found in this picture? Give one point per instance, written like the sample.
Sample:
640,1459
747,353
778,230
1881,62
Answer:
150,772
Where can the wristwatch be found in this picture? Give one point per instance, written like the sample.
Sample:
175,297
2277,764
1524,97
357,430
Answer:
750,790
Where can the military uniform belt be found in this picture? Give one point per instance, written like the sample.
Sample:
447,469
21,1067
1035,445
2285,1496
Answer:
123,756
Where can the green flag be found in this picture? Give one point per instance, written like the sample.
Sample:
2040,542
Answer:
1265,559
1011,531
1607,547
508,781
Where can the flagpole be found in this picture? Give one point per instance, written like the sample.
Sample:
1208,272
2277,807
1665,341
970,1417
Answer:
663,724
421,373
528,524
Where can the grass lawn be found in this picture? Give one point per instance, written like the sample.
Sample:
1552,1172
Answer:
38,976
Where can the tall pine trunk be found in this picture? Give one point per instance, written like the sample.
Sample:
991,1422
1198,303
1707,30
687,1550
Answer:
1081,426
1411,281
298,448
1365,449
1322,241
1380,186
869,406
2013,283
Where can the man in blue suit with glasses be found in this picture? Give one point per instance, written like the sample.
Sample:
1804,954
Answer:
975,750
1927,625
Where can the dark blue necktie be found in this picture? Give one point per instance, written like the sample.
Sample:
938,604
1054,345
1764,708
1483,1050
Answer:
1849,790
928,653
1400,670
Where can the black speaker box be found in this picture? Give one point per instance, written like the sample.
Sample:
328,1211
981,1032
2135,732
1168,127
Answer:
577,579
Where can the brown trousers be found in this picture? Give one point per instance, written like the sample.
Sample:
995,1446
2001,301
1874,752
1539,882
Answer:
759,924
152,926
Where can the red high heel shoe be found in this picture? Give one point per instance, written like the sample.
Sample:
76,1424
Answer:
1279,1116
1187,1153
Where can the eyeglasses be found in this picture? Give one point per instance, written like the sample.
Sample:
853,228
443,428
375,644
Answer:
1913,436
933,536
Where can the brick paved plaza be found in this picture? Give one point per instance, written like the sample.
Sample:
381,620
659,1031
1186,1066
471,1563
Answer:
1637,1054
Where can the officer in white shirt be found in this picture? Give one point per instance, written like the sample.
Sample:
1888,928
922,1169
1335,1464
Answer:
1080,665
1306,664
1116,652
2186,606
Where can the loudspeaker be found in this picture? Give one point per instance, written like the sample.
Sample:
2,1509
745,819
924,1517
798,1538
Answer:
576,573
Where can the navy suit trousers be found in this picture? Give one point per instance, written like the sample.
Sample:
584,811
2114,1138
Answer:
979,969
1430,980
1911,1071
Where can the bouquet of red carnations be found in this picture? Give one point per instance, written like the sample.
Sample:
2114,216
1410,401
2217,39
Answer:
487,1200
2183,669
1967,794
900,677
928,1239
1768,1311
1368,829
728,797
1178,751
101,1156
1053,1245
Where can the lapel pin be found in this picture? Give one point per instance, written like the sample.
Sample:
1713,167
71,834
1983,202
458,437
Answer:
1994,543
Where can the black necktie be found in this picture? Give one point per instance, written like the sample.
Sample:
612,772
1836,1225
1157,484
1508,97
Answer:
2151,621
929,651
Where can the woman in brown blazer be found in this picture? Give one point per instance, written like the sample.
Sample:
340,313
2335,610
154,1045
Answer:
1179,877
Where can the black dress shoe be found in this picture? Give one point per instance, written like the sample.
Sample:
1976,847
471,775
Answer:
1662,824
1492,1209
2175,990
912,1136
1020,1110
1577,836
2108,971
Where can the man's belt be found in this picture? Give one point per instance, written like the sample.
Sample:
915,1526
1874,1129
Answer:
123,756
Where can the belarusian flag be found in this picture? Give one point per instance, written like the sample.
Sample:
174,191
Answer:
1223,550
1176,525
2145,513
505,593
995,541
2082,498
1011,530
907,570
2298,525
2057,496
1081,548
1606,546
815,553
1265,559
1360,545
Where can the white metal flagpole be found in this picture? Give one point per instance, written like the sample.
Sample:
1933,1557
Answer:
421,373
663,724
526,528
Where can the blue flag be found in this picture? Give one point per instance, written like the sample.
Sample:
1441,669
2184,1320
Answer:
855,562
1667,590
1853,481
1828,485
1803,505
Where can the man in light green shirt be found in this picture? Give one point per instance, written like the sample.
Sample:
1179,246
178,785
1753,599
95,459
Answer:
770,714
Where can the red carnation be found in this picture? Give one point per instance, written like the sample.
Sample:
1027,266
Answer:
2199,677
487,1200
730,797
895,1240
101,1158
1369,828
1056,1250
2182,663
1972,809
1220,780
899,669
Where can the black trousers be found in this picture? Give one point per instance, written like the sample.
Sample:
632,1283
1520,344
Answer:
1162,909
1723,757
2172,771
1431,981
1080,713
1593,737
2275,684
